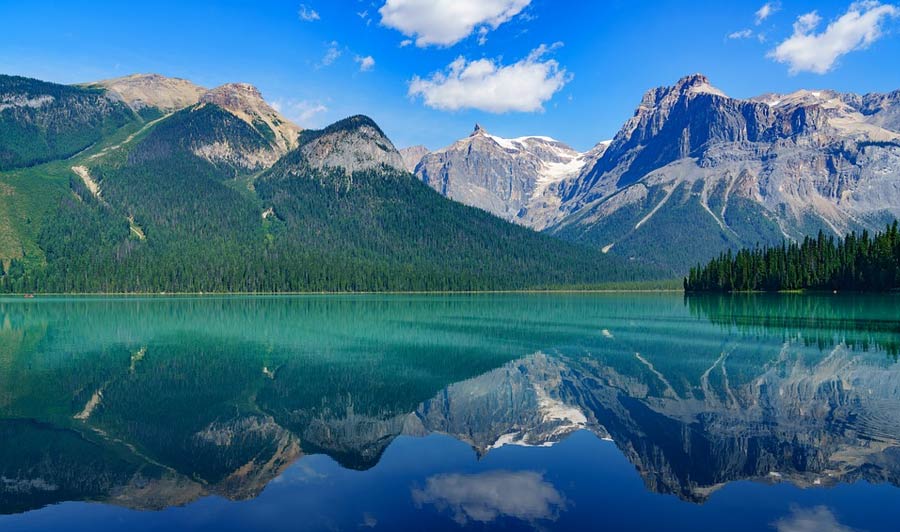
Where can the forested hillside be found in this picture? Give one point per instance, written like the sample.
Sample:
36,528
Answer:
858,262
194,203
40,121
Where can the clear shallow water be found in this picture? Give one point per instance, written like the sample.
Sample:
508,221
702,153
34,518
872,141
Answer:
641,412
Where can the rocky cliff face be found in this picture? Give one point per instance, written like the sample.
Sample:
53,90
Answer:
694,172
354,144
246,102
732,172
515,179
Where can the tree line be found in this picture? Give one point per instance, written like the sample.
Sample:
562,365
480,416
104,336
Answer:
858,262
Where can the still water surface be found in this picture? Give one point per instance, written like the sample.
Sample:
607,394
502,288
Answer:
616,412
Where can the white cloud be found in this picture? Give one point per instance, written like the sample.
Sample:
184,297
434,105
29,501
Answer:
484,497
482,35
331,55
304,113
307,13
489,86
743,34
766,11
446,22
818,519
859,27
405,42
366,63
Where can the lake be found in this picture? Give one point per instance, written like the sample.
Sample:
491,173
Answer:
562,411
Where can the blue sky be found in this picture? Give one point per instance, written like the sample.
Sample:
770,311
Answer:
426,71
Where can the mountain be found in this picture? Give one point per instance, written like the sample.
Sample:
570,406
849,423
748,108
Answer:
695,172
153,95
511,178
412,155
148,94
41,122
226,195
246,102
353,144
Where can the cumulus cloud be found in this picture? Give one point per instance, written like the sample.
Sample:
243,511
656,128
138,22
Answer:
743,34
304,113
818,519
767,10
446,22
366,63
484,497
487,85
859,27
307,13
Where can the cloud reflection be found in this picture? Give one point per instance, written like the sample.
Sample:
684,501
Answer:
484,497
818,519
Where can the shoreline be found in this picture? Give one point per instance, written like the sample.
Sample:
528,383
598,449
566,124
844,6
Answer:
37,295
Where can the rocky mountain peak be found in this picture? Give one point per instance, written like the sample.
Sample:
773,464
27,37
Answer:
246,102
512,178
664,98
140,91
354,144
691,81
232,95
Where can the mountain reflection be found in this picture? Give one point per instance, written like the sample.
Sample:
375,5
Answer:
152,403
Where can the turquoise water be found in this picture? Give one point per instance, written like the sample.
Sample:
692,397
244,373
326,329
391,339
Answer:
619,411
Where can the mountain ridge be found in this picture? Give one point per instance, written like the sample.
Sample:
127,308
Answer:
506,177
695,172
207,199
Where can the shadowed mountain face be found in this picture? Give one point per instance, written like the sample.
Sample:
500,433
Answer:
158,402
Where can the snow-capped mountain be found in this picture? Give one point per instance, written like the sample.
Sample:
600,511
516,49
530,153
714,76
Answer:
514,178
694,172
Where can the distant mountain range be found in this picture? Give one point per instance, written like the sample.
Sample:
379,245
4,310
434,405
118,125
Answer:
147,184
692,173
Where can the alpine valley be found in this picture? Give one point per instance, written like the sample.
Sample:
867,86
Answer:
693,173
149,184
